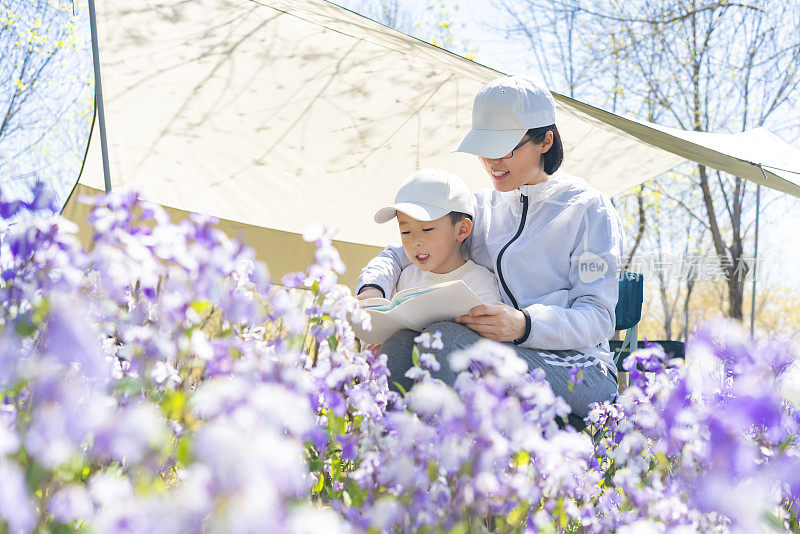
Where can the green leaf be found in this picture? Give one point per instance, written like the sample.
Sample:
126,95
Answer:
184,451
24,327
773,520
356,423
518,514
521,459
415,356
609,474
401,388
433,471
315,464
336,425
173,404
36,475
357,495
200,306
318,485
459,528
128,385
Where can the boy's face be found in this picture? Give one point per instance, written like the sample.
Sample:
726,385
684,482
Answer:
433,245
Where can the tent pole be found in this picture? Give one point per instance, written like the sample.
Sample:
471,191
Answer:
755,257
98,96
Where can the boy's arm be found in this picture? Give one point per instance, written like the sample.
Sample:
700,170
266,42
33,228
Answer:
382,271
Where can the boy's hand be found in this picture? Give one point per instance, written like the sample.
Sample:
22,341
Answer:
499,322
369,293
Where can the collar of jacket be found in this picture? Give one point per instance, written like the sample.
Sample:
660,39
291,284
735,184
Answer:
538,191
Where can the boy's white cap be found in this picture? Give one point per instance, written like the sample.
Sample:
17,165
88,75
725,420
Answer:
427,195
503,111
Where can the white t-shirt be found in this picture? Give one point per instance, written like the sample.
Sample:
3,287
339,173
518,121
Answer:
478,278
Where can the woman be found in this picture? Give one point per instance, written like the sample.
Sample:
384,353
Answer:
553,242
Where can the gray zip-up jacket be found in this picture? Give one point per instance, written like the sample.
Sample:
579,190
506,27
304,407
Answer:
555,248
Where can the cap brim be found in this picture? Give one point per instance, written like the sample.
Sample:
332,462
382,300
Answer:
491,143
415,211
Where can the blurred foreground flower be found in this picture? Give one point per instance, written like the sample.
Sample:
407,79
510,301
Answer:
160,382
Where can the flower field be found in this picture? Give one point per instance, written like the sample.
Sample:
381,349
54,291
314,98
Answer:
158,382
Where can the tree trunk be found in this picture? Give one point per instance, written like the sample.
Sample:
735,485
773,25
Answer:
685,327
640,232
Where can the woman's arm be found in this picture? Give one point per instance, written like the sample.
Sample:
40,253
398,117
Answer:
382,271
594,275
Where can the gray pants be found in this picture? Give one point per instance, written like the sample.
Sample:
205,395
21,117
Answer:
598,383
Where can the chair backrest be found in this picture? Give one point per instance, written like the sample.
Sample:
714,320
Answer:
629,304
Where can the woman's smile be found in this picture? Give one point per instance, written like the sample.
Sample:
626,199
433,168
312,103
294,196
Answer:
498,175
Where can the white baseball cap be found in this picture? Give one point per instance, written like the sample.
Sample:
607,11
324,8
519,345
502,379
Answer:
427,195
503,111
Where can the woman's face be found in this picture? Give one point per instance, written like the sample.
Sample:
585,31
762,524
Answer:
523,167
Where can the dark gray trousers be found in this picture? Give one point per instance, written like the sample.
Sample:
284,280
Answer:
598,385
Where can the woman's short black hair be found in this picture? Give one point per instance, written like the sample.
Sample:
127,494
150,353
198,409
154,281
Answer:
555,155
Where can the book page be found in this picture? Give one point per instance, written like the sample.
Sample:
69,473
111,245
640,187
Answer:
417,308
374,302
444,303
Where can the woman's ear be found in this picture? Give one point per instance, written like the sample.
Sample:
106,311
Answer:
547,142
464,229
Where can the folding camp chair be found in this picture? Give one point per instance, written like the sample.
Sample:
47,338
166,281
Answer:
628,313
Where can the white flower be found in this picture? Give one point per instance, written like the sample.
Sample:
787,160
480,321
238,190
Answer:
430,341
164,373
642,526
789,384
9,441
431,398
200,345
314,520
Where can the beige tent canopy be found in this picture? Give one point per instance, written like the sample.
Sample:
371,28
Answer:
273,114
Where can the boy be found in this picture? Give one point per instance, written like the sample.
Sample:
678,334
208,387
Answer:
434,212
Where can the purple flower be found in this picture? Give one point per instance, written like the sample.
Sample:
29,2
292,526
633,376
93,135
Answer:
15,500
575,375
293,280
70,340
349,447
70,503
429,361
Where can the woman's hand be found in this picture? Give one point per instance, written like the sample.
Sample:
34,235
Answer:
369,293
499,322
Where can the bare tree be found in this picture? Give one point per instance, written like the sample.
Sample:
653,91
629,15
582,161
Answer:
703,66
43,98
431,21
393,13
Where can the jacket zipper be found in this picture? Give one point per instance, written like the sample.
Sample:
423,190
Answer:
524,201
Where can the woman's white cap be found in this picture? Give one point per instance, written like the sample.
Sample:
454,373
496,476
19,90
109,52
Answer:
427,195
503,111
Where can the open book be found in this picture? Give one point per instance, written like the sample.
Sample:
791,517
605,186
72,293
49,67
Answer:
416,308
